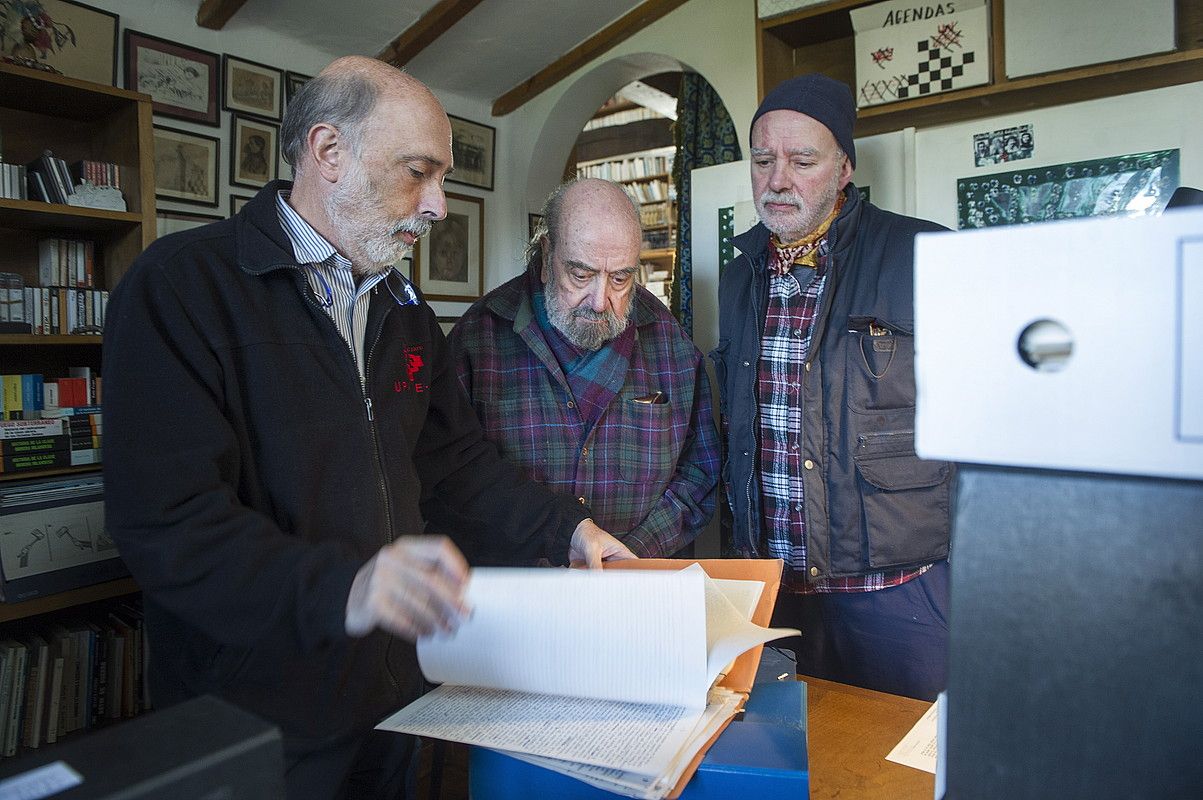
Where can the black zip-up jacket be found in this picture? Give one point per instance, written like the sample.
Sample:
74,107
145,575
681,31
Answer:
870,503
249,474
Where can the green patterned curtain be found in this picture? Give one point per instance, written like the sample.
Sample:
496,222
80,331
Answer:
704,136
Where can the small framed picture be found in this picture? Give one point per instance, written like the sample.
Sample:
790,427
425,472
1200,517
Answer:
77,40
254,146
176,221
186,166
252,88
182,80
292,82
533,221
449,263
472,146
237,201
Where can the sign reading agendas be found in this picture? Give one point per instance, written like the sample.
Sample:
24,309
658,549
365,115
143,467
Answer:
907,49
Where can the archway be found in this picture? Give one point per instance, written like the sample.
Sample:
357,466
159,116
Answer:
579,102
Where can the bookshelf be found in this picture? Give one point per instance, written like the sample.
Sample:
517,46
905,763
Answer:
647,177
820,38
76,120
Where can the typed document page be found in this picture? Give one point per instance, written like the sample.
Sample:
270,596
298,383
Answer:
630,636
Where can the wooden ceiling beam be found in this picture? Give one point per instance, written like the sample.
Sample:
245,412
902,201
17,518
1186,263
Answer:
613,34
430,26
215,14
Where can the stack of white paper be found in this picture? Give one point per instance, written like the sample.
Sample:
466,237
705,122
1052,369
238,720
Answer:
605,676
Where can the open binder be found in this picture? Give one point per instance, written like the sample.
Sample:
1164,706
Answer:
620,678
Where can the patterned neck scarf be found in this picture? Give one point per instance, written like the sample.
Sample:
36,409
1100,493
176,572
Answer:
804,251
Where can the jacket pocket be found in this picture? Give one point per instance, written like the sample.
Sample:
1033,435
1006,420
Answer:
879,365
904,503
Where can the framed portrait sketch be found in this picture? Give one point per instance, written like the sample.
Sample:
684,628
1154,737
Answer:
77,40
449,263
182,80
472,146
252,88
176,221
186,166
237,201
292,82
254,152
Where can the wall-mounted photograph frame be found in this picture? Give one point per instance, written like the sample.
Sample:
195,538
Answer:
184,81
254,151
176,221
292,82
237,201
186,165
449,262
252,88
473,146
74,39
533,221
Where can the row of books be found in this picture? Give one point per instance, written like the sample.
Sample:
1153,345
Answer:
49,179
628,168
623,117
67,262
97,173
72,675
650,191
57,310
12,182
658,239
32,396
654,214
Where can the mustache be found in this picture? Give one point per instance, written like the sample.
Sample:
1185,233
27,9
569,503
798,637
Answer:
416,225
780,197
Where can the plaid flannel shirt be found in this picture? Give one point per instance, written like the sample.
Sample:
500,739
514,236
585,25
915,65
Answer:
646,470
793,302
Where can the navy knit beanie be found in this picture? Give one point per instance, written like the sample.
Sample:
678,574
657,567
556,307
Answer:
827,100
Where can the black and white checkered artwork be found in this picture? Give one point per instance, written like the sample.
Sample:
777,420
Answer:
939,70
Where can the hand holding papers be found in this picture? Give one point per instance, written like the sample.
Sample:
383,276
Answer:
604,675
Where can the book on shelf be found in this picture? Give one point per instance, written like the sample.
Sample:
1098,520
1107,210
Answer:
628,699
54,176
55,538
13,180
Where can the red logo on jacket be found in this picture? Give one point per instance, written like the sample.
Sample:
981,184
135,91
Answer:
413,365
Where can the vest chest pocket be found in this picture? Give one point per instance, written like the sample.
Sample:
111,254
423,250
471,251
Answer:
879,365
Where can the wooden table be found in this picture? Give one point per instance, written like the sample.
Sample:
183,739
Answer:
849,732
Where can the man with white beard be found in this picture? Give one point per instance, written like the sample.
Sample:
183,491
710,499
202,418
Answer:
815,365
587,382
278,402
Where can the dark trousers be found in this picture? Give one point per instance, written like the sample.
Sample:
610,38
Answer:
374,766
893,640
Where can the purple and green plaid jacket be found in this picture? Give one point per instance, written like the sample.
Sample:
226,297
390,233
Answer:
647,471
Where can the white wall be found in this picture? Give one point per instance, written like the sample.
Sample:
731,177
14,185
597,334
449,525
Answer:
1158,119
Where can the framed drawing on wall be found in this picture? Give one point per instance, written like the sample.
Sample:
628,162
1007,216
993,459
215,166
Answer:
252,88
449,262
292,82
77,40
182,80
254,145
237,201
186,166
472,146
176,221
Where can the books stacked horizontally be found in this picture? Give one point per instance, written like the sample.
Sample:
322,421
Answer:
49,424
619,678
71,675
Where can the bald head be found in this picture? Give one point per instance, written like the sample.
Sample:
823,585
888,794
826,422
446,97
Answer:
346,95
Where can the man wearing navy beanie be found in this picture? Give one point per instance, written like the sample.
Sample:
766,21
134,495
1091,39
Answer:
815,365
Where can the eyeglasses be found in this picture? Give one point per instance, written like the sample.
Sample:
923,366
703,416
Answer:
410,299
